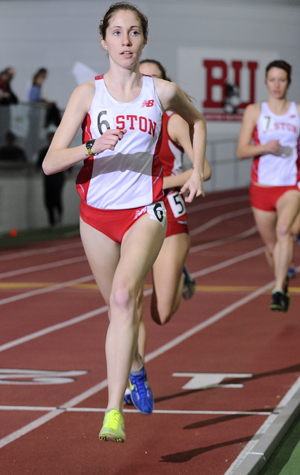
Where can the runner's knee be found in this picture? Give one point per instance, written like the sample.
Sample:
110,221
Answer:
283,231
122,298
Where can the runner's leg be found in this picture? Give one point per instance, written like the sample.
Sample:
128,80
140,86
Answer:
288,206
168,277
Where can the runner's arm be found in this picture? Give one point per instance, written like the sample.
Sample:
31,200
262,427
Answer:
172,97
244,148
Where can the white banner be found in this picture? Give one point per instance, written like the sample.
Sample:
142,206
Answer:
223,82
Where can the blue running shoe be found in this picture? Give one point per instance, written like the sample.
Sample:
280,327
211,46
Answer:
127,398
189,286
141,393
292,272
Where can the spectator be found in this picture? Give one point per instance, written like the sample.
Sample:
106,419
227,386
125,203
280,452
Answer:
11,152
7,96
35,95
53,186
35,92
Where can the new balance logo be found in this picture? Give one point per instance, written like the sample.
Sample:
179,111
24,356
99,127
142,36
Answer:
148,103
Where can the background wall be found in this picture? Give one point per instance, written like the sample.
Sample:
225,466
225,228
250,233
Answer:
56,34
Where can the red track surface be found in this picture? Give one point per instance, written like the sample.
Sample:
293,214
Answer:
243,340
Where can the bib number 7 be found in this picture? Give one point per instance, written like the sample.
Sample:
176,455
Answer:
177,204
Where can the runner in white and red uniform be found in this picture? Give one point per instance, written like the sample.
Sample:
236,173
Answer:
122,220
132,177
281,168
274,126
171,280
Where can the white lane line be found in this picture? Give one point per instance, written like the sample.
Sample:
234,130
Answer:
53,328
208,270
27,408
215,318
227,240
74,260
135,411
213,204
33,425
191,209
36,252
166,411
271,422
45,290
50,265
154,354
103,309
219,219
51,415
229,262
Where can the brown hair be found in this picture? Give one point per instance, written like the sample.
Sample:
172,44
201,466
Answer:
160,67
39,73
123,6
279,63
163,73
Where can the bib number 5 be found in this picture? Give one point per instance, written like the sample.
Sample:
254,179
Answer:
177,204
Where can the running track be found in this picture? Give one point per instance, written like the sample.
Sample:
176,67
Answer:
218,370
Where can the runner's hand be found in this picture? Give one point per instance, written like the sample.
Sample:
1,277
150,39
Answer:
272,146
195,187
108,140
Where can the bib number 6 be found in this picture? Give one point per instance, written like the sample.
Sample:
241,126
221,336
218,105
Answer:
177,204
103,124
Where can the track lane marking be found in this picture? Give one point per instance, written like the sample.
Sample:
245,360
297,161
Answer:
36,252
58,286
134,411
103,384
154,354
249,449
52,288
219,219
213,204
227,240
191,209
199,288
228,262
50,265
53,328
103,309
193,232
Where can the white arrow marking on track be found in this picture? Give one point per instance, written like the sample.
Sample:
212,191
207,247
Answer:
208,380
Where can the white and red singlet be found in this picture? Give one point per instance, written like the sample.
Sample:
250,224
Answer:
283,167
117,187
171,157
131,175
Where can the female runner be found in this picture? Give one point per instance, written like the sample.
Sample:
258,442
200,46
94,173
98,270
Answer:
274,191
122,217
171,279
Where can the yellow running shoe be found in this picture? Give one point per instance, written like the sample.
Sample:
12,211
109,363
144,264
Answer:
113,427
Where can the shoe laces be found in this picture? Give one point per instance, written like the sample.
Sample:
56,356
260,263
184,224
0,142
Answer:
140,384
114,419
